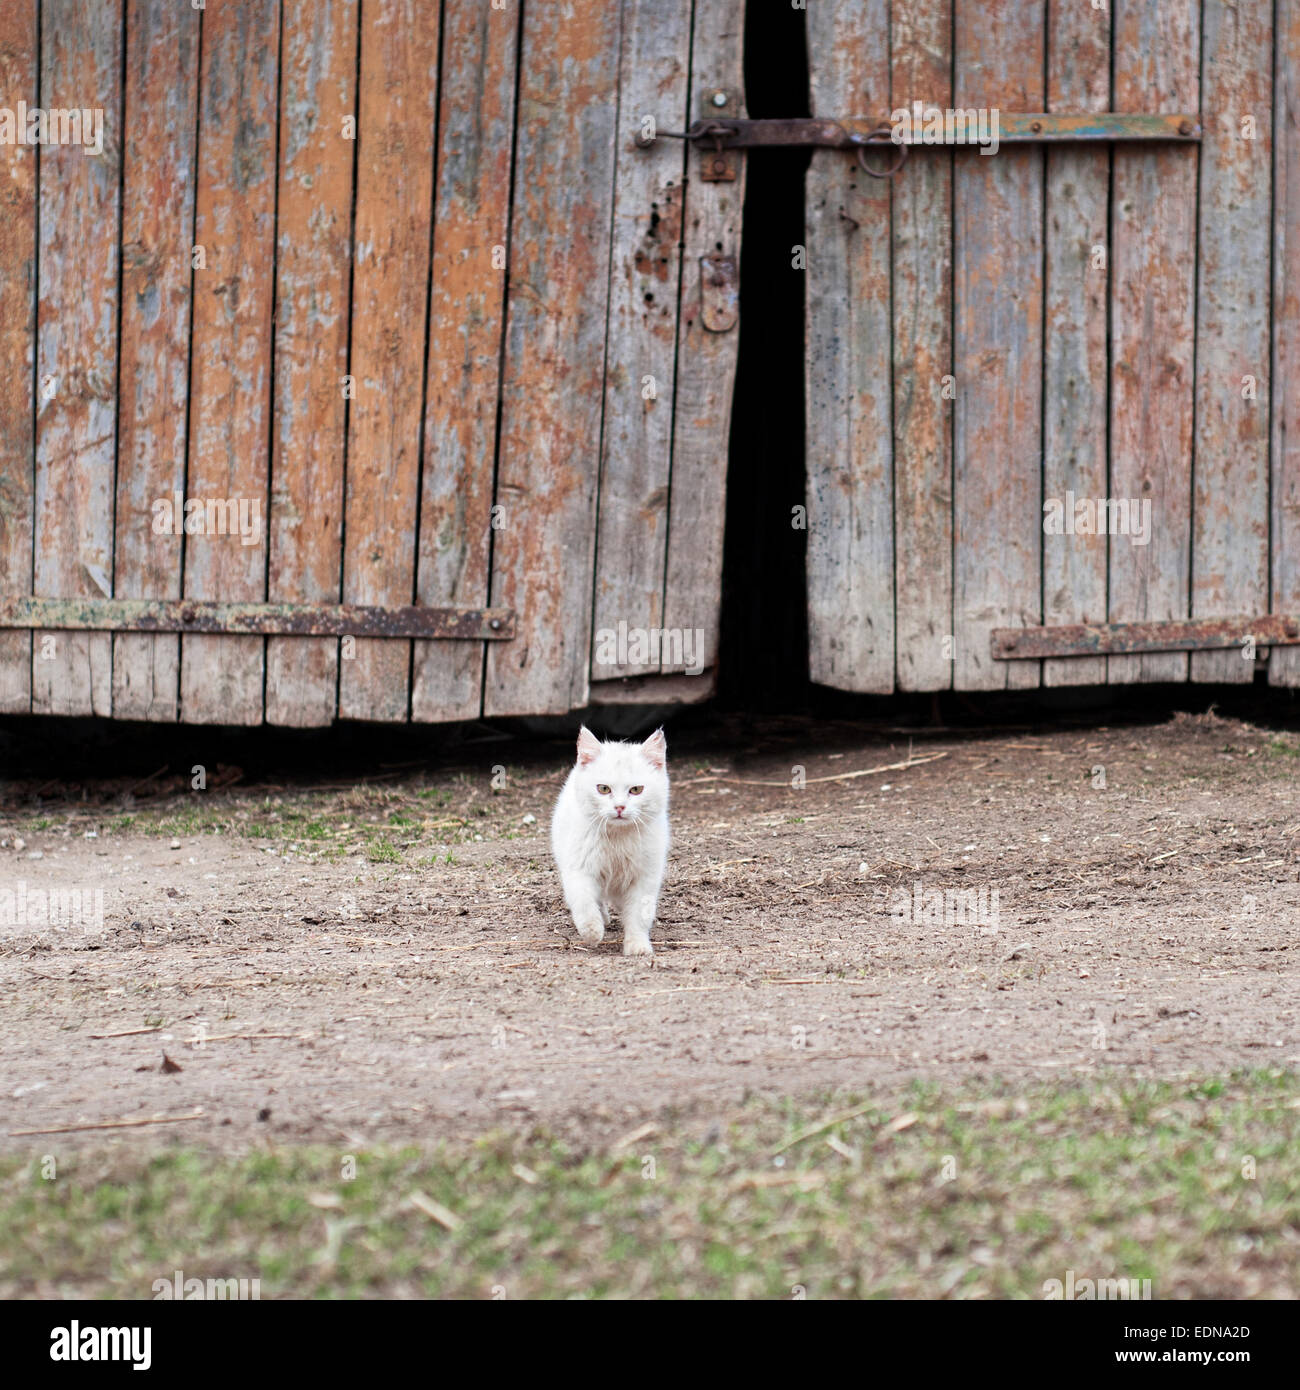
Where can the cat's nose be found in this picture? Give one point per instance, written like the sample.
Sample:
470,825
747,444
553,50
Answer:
618,810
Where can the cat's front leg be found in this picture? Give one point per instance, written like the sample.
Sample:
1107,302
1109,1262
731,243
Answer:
638,914
582,897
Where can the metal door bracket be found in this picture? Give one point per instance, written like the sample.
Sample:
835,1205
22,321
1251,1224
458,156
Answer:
1125,639
717,136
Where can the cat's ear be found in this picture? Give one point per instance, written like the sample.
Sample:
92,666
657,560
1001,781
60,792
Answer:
588,746
655,749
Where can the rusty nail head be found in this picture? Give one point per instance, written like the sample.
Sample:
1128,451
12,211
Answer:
1010,643
1184,127
719,98
1036,126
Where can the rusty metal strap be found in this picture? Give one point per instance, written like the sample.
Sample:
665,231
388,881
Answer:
257,619
1125,639
1014,127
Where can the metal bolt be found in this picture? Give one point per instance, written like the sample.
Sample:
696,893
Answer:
719,98
1036,126
495,624
1184,127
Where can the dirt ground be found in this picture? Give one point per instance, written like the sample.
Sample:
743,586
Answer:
392,961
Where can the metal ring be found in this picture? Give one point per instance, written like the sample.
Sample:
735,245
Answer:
877,137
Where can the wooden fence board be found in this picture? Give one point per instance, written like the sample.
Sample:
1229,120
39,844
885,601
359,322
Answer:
80,222
1075,396
849,451
706,361
19,82
555,352
162,52
230,372
921,70
1231,501
318,73
645,271
998,346
398,106
471,235
1153,233
1284,662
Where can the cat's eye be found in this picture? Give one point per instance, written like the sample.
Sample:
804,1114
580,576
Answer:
635,791
602,788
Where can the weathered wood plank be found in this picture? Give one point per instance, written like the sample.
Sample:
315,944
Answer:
162,70
1153,230
230,381
467,322
1284,662
80,222
998,346
1075,395
318,74
19,82
641,344
555,356
397,104
921,70
1231,504
706,360
849,450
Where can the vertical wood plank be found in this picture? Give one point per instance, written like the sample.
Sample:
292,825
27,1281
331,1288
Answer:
921,70
318,67
398,104
636,441
1284,662
162,57
555,357
1075,397
849,450
230,382
471,234
998,342
1231,501
706,361
80,222
1153,231
19,82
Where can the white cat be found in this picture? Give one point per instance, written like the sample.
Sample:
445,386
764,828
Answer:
609,836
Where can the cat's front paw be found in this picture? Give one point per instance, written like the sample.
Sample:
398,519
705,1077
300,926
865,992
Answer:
592,932
637,946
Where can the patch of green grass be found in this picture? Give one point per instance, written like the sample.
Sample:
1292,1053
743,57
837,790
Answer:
931,1191
381,850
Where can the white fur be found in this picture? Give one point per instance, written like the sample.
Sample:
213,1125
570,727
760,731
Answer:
607,862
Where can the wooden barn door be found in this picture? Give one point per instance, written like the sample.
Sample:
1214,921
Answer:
441,331
1086,316
617,391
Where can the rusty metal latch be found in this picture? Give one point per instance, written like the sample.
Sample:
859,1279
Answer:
724,133
1126,639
